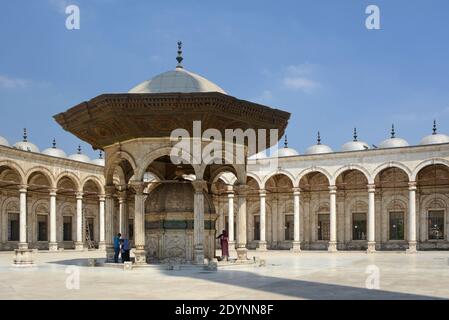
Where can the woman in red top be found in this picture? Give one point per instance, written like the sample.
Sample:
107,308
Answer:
224,244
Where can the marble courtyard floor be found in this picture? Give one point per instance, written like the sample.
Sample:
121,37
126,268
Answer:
309,275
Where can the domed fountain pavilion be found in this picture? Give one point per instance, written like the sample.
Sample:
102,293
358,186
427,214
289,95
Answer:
174,215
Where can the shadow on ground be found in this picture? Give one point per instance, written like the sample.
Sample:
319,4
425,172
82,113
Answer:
298,289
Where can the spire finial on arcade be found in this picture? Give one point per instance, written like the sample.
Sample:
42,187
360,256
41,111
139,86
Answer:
355,134
179,58
393,132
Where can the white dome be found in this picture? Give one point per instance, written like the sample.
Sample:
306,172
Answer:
26,146
259,155
55,152
435,139
4,142
99,162
80,157
178,80
286,152
354,146
318,148
393,143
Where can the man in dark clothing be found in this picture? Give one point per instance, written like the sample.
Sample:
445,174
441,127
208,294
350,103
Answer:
117,247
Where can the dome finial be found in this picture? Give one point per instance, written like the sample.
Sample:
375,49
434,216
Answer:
79,149
25,135
355,134
434,130
179,58
285,142
318,139
393,133
54,143
101,155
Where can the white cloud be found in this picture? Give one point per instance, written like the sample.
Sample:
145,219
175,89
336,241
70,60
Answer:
7,82
60,5
300,84
265,97
298,78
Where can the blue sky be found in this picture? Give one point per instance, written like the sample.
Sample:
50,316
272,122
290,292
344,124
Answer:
314,59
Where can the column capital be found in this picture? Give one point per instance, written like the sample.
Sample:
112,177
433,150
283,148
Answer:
122,196
23,188
230,194
53,192
110,190
79,195
199,186
241,189
332,189
296,191
412,186
102,198
262,193
371,188
138,186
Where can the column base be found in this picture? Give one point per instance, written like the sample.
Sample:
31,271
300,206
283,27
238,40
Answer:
79,246
102,246
296,247
262,246
371,247
53,246
242,254
23,258
412,247
332,247
110,254
198,256
140,256
22,246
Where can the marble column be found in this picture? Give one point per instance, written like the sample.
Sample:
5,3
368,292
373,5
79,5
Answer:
333,219
198,224
23,218
123,214
371,219
412,244
241,244
221,218
23,257
53,245
102,243
296,221
139,223
231,234
262,222
109,223
79,241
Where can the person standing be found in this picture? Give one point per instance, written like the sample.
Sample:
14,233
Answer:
224,244
117,247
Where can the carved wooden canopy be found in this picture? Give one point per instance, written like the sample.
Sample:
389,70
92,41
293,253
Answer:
112,118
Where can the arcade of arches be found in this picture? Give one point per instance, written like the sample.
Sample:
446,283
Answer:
51,204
